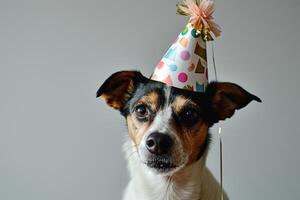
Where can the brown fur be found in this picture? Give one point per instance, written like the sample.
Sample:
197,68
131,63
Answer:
192,138
137,129
228,97
118,91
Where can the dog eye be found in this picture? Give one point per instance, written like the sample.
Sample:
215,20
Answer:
141,111
190,115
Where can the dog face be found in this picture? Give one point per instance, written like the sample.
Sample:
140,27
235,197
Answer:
169,126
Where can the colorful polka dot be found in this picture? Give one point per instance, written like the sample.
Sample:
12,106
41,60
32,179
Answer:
173,67
192,67
195,33
184,42
186,29
160,65
183,77
185,55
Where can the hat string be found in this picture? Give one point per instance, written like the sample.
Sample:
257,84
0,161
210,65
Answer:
221,162
213,59
220,129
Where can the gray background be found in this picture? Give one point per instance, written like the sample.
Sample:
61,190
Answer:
57,142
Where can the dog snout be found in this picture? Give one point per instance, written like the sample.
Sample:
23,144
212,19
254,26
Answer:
159,143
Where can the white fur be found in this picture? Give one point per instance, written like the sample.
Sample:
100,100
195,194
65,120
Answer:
161,124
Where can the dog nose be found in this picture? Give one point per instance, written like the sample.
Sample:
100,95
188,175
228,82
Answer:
159,143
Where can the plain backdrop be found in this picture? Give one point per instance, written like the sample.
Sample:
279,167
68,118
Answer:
58,142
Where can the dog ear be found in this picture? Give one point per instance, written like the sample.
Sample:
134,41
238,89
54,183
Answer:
225,98
118,88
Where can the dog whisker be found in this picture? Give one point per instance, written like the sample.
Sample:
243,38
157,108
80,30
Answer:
129,148
131,154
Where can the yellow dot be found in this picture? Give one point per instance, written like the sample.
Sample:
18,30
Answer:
184,42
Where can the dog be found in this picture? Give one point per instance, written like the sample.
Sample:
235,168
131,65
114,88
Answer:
169,135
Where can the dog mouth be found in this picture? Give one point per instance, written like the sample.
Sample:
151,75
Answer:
161,165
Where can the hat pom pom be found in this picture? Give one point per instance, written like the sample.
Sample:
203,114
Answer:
201,17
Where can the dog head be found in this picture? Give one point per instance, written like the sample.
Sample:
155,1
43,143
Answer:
169,126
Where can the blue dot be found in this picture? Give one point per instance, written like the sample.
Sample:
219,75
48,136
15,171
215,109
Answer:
173,67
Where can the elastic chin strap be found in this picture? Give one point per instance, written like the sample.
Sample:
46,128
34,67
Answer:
213,59
221,163
220,129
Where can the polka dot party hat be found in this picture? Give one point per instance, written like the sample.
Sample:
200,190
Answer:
185,63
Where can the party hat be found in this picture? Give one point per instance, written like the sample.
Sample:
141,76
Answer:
185,63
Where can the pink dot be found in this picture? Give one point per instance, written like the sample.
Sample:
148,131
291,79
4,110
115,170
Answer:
183,77
160,65
185,55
